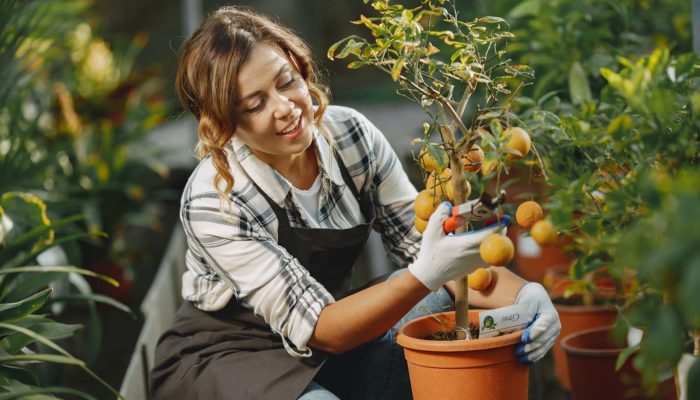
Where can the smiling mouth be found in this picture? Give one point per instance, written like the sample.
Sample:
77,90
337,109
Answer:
292,129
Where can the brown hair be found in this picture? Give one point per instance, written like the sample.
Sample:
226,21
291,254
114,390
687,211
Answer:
209,64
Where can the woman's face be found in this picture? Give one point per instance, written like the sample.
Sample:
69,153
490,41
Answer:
275,110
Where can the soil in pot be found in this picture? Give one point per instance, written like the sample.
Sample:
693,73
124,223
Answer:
456,369
591,356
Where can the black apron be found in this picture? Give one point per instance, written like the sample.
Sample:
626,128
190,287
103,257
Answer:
232,353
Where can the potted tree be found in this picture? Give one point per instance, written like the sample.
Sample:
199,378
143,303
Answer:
644,122
453,67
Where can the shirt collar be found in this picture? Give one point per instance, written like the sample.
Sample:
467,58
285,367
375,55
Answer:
275,185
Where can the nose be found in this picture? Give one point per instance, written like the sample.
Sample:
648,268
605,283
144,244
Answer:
284,108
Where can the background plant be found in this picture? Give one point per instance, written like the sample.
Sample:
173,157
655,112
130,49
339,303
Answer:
620,166
569,41
71,111
662,248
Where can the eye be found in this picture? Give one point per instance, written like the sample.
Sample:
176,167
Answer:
256,108
289,82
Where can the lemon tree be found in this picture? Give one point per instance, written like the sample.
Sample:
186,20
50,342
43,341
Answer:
460,75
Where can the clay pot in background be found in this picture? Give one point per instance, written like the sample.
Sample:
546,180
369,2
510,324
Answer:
484,368
591,356
575,318
532,261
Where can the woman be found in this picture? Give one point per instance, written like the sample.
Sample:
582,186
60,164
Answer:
276,213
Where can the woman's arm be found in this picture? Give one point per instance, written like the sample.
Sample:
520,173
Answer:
502,292
367,314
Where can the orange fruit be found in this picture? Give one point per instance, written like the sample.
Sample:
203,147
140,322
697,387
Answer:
543,232
440,186
519,141
472,161
421,224
528,213
480,279
438,183
426,161
496,250
425,205
488,166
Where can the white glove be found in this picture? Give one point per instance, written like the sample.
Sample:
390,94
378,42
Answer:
543,331
446,257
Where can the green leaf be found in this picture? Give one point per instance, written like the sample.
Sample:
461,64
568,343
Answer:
331,50
496,128
619,126
492,20
50,330
398,66
59,268
525,8
624,355
10,311
96,298
356,64
12,372
31,393
352,47
53,358
28,284
579,88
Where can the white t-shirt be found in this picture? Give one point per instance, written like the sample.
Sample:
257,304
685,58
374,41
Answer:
308,201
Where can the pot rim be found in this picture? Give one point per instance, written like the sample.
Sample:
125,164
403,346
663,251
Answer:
581,308
454,345
581,351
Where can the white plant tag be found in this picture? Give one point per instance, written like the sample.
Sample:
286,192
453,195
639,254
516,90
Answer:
503,320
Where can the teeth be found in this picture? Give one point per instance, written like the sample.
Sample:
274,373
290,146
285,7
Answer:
290,129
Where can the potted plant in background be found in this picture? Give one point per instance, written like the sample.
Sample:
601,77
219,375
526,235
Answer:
27,338
46,128
662,248
643,122
103,109
568,42
451,67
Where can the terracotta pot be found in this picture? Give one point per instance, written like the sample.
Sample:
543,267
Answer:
574,319
591,356
485,368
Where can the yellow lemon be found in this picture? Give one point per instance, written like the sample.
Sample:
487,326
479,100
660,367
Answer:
425,205
480,279
421,224
497,250
519,141
543,232
472,161
528,213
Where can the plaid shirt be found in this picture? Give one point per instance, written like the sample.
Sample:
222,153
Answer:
233,249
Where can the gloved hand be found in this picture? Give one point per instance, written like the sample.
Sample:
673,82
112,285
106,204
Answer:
446,257
543,331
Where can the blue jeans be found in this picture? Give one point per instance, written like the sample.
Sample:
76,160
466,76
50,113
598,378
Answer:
375,370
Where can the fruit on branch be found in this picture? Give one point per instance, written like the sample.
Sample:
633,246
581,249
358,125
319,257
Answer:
519,142
528,213
497,250
420,224
543,232
480,279
425,205
472,161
